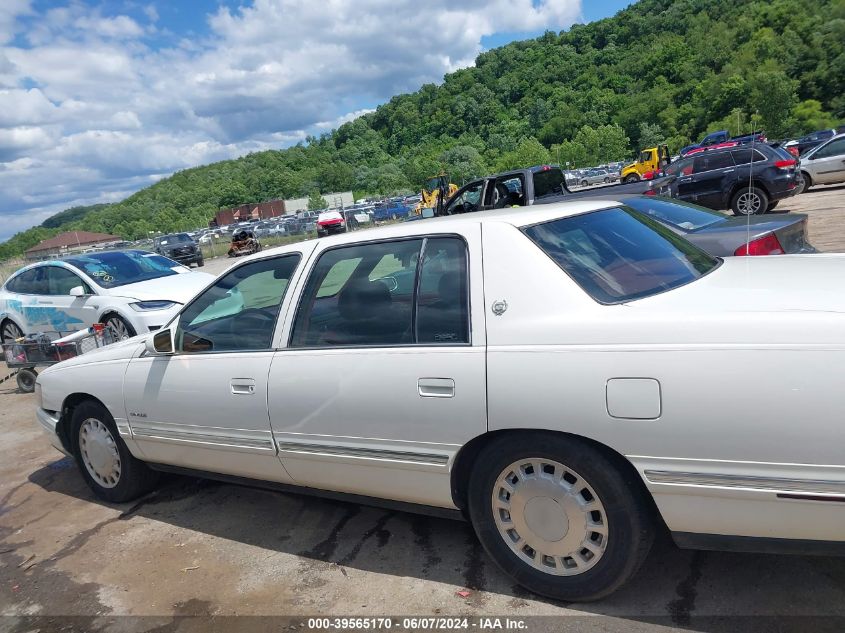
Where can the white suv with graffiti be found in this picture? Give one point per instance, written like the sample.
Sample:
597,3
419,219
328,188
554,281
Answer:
132,292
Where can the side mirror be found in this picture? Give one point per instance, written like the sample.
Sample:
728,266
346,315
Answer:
78,291
428,212
160,343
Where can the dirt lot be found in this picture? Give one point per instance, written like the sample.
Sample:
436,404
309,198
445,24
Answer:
198,548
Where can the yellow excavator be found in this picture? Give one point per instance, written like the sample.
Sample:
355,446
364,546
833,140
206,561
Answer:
435,192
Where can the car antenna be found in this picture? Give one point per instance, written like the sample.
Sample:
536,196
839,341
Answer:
750,175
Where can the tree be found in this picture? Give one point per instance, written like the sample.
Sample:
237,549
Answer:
773,96
316,202
603,144
231,194
651,135
810,117
528,153
463,163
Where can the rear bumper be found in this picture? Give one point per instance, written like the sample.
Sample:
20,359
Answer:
783,186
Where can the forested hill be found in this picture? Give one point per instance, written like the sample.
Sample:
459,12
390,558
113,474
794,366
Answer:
657,70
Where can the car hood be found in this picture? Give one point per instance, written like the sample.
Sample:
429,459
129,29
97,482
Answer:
122,350
778,283
179,288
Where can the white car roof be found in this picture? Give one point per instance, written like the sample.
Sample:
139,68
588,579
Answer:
518,217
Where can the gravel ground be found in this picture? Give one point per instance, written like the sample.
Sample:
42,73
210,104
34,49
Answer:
212,550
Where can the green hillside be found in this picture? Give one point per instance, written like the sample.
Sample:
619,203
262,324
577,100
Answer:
660,70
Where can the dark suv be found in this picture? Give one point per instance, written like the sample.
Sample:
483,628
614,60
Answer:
746,179
180,247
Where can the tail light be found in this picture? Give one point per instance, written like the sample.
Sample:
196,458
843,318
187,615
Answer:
793,150
650,192
785,164
766,245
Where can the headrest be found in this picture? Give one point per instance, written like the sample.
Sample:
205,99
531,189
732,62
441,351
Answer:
363,299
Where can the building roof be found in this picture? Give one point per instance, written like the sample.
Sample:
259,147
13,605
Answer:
73,238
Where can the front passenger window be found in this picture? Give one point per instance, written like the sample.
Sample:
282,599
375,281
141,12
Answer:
239,312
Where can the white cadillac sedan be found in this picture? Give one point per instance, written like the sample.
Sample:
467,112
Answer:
569,377
132,292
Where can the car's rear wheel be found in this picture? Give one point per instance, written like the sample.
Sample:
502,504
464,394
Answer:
201,263
10,332
25,379
584,183
107,466
772,205
119,327
558,516
805,183
749,201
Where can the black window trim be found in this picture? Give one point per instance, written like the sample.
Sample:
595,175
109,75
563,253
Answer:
306,277
178,316
719,260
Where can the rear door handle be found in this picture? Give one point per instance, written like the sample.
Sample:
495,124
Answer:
436,387
685,180
243,386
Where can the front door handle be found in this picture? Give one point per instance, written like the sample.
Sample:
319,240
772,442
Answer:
243,386
436,387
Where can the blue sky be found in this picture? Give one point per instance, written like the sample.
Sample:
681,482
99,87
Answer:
101,98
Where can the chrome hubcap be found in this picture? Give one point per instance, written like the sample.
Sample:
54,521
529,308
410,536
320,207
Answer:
118,328
550,517
99,453
748,203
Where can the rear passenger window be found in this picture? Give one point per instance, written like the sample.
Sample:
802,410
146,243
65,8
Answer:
29,282
711,162
383,294
744,156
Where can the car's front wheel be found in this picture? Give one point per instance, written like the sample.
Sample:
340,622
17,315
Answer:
119,327
107,466
631,178
558,516
10,332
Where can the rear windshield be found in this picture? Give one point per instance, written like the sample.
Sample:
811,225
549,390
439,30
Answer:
549,183
619,255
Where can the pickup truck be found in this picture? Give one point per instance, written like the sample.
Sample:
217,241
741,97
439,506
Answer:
524,187
723,138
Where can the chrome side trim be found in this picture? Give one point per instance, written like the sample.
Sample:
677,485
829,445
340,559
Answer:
224,438
435,459
719,480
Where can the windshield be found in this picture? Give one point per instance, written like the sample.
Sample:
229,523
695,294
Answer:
682,215
118,268
432,184
172,239
619,255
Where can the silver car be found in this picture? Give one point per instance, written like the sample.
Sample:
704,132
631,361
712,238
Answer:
596,177
824,164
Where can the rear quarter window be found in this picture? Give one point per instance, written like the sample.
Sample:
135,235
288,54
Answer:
618,255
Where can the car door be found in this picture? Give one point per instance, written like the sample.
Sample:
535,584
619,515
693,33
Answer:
205,406
467,199
69,313
383,379
712,175
827,163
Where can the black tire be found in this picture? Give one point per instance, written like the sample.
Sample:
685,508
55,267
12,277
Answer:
120,328
772,205
135,477
200,263
749,201
629,517
606,180
631,178
26,380
584,183
9,332
805,184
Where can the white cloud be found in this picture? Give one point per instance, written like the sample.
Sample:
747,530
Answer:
96,105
